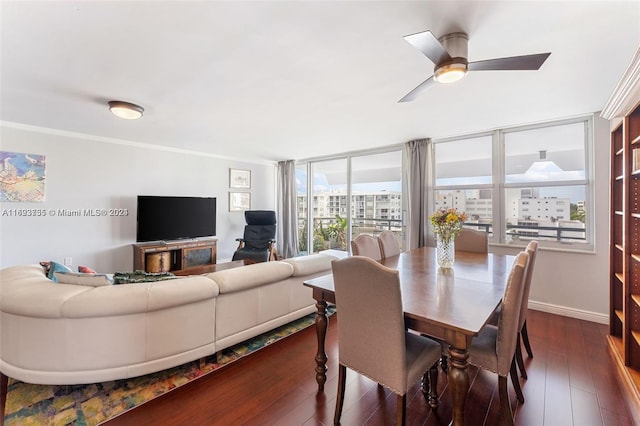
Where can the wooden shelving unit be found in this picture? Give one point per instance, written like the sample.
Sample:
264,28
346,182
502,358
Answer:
624,327
623,112
179,257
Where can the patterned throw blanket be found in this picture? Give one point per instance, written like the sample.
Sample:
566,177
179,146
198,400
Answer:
141,277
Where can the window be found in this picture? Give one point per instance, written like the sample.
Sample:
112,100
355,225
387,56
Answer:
521,183
377,179
359,193
330,195
546,167
463,179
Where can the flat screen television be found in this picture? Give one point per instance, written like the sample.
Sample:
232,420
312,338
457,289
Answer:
164,218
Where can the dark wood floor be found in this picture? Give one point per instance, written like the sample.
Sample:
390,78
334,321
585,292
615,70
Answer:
571,382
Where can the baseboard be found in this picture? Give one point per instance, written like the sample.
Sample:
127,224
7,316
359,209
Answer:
569,312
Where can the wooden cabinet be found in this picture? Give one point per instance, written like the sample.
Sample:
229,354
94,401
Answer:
177,257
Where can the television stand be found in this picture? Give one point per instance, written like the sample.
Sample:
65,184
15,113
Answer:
175,256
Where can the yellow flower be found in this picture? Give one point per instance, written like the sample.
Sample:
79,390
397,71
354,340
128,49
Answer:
447,223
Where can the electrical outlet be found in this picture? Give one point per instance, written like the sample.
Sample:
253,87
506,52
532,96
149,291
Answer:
68,261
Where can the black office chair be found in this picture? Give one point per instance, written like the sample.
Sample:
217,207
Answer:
258,243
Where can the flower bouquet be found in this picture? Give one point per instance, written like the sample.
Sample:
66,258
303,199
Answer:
447,223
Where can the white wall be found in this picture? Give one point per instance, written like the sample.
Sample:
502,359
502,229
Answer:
577,284
84,172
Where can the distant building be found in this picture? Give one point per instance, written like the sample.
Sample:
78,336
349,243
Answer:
551,214
528,213
541,208
478,204
375,205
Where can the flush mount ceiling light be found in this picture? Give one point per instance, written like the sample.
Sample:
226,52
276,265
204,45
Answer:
448,73
126,110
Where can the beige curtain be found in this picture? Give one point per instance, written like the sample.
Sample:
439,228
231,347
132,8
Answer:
417,158
287,213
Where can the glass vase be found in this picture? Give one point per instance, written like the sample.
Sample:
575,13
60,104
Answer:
445,250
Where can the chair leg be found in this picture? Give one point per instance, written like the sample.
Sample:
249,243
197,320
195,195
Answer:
514,380
342,379
433,387
507,416
443,364
519,359
430,386
525,339
401,409
4,387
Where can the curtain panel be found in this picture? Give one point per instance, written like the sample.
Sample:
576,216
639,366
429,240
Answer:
417,157
287,228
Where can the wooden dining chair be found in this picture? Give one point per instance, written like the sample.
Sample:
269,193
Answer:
494,348
372,339
389,245
366,245
472,241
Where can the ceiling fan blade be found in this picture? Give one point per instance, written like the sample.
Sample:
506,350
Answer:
512,63
415,92
429,45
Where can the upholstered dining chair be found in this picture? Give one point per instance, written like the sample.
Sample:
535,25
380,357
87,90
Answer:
494,348
389,245
523,336
366,245
472,241
372,339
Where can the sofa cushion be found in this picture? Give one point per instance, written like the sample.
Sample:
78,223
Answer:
94,280
250,276
56,267
305,265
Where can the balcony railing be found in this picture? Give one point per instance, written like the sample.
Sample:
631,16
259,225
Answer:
558,233
326,235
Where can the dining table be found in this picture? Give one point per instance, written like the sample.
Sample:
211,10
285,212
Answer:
448,304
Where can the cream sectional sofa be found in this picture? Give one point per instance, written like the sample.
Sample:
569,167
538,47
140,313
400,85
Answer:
53,333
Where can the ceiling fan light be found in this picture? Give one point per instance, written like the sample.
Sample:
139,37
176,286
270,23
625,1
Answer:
126,110
450,72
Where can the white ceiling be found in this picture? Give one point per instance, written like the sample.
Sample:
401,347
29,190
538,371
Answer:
275,80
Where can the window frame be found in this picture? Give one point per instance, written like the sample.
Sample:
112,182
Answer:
499,185
310,162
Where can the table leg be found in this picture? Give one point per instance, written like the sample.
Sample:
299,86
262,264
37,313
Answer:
459,382
321,356
4,382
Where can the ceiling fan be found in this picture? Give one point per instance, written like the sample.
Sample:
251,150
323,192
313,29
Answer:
449,54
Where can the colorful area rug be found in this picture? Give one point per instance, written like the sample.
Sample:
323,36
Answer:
87,405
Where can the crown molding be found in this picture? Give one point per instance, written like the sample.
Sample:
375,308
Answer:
115,141
622,99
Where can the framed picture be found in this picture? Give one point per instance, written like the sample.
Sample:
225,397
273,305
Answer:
240,179
239,201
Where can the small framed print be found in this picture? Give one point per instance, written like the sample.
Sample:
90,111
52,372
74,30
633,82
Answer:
239,201
240,179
